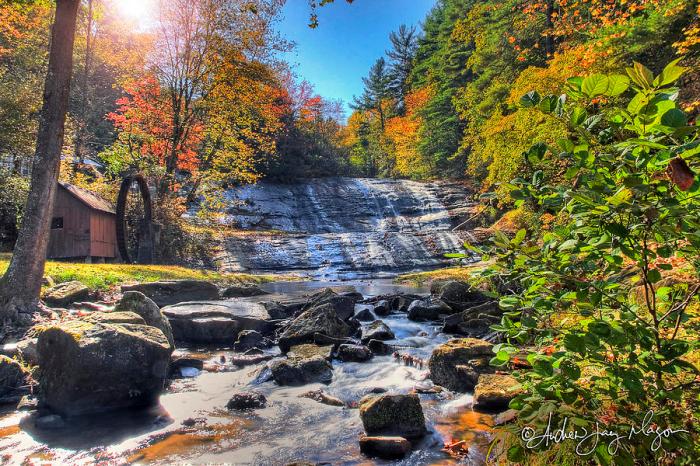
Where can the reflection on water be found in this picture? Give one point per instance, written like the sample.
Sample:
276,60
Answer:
192,425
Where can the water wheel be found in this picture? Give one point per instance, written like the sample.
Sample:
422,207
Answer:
135,221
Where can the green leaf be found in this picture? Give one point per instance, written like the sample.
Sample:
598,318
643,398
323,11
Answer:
617,84
653,275
548,104
575,343
641,76
578,116
531,99
595,85
519,237
674,118
670,74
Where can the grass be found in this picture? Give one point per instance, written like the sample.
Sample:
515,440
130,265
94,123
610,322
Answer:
106,276
463,273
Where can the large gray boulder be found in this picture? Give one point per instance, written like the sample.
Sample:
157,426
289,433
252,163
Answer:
216,322
168,292
377,330
65,294
354,353
301,371
321,319
457,295
343,304
138,303
456,365
393,415
95,367
12,375
427,309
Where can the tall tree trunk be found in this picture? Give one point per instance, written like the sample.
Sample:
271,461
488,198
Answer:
82,124
20,287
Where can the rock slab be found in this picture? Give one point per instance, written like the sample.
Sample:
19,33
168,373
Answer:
450,362
400,415
168,292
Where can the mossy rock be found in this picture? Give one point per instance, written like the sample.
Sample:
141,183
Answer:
12,375
137,302
450,362
88,367
393,415
65,294
495,391
114,318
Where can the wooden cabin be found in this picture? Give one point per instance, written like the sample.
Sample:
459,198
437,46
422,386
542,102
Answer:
83,226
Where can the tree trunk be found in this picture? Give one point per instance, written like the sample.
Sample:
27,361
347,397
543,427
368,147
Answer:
20,287
82,124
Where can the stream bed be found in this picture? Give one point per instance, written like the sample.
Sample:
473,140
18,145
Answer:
191,424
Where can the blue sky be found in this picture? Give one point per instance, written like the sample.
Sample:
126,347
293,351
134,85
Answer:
350,37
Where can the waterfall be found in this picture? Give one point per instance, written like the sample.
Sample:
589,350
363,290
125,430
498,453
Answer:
342,228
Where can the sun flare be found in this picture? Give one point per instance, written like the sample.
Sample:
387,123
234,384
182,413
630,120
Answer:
140,11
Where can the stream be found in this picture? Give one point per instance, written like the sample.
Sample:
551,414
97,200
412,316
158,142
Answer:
192,425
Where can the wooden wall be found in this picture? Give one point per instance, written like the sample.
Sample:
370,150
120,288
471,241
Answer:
73,240
103,234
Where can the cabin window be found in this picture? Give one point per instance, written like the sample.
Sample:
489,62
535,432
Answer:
57,223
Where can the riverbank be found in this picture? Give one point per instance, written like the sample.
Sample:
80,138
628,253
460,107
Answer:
103,277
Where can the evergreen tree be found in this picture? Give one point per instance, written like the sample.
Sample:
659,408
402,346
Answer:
404,45
377,92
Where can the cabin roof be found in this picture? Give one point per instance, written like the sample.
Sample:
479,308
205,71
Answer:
88,198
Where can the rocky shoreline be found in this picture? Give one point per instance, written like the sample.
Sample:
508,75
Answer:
124,356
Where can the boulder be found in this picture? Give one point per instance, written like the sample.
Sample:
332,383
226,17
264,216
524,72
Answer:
354,353
114,318
474,321
451,362
301,371
216,322
26,350
379,348
382,308
494,391
321,319
387,448
137,302
247,400
457,295
249,339
427,309
243,291
95,367
310,350
65,294
377,330
343,304
400,302
365,315
168,292
12,375
393,415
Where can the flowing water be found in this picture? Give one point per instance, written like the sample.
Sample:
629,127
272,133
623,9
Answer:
290,428
344,228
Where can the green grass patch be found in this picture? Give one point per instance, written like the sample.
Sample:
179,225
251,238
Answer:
106,276
463,273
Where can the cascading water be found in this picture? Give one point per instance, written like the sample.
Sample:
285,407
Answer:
340,228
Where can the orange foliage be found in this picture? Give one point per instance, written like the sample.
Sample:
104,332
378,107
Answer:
404,132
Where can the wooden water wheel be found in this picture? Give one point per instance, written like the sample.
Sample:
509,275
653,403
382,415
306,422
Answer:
135,221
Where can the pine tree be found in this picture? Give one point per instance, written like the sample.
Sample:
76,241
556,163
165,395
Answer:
404,45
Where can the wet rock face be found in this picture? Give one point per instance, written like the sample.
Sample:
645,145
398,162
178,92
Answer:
365,315
495,391
12,375
249,339
96,367
377,330
65,294
301,371
345,226
427,309
456,364
168,292
343,304
138,303
213,322
387,448
354,353
393,415
322,319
